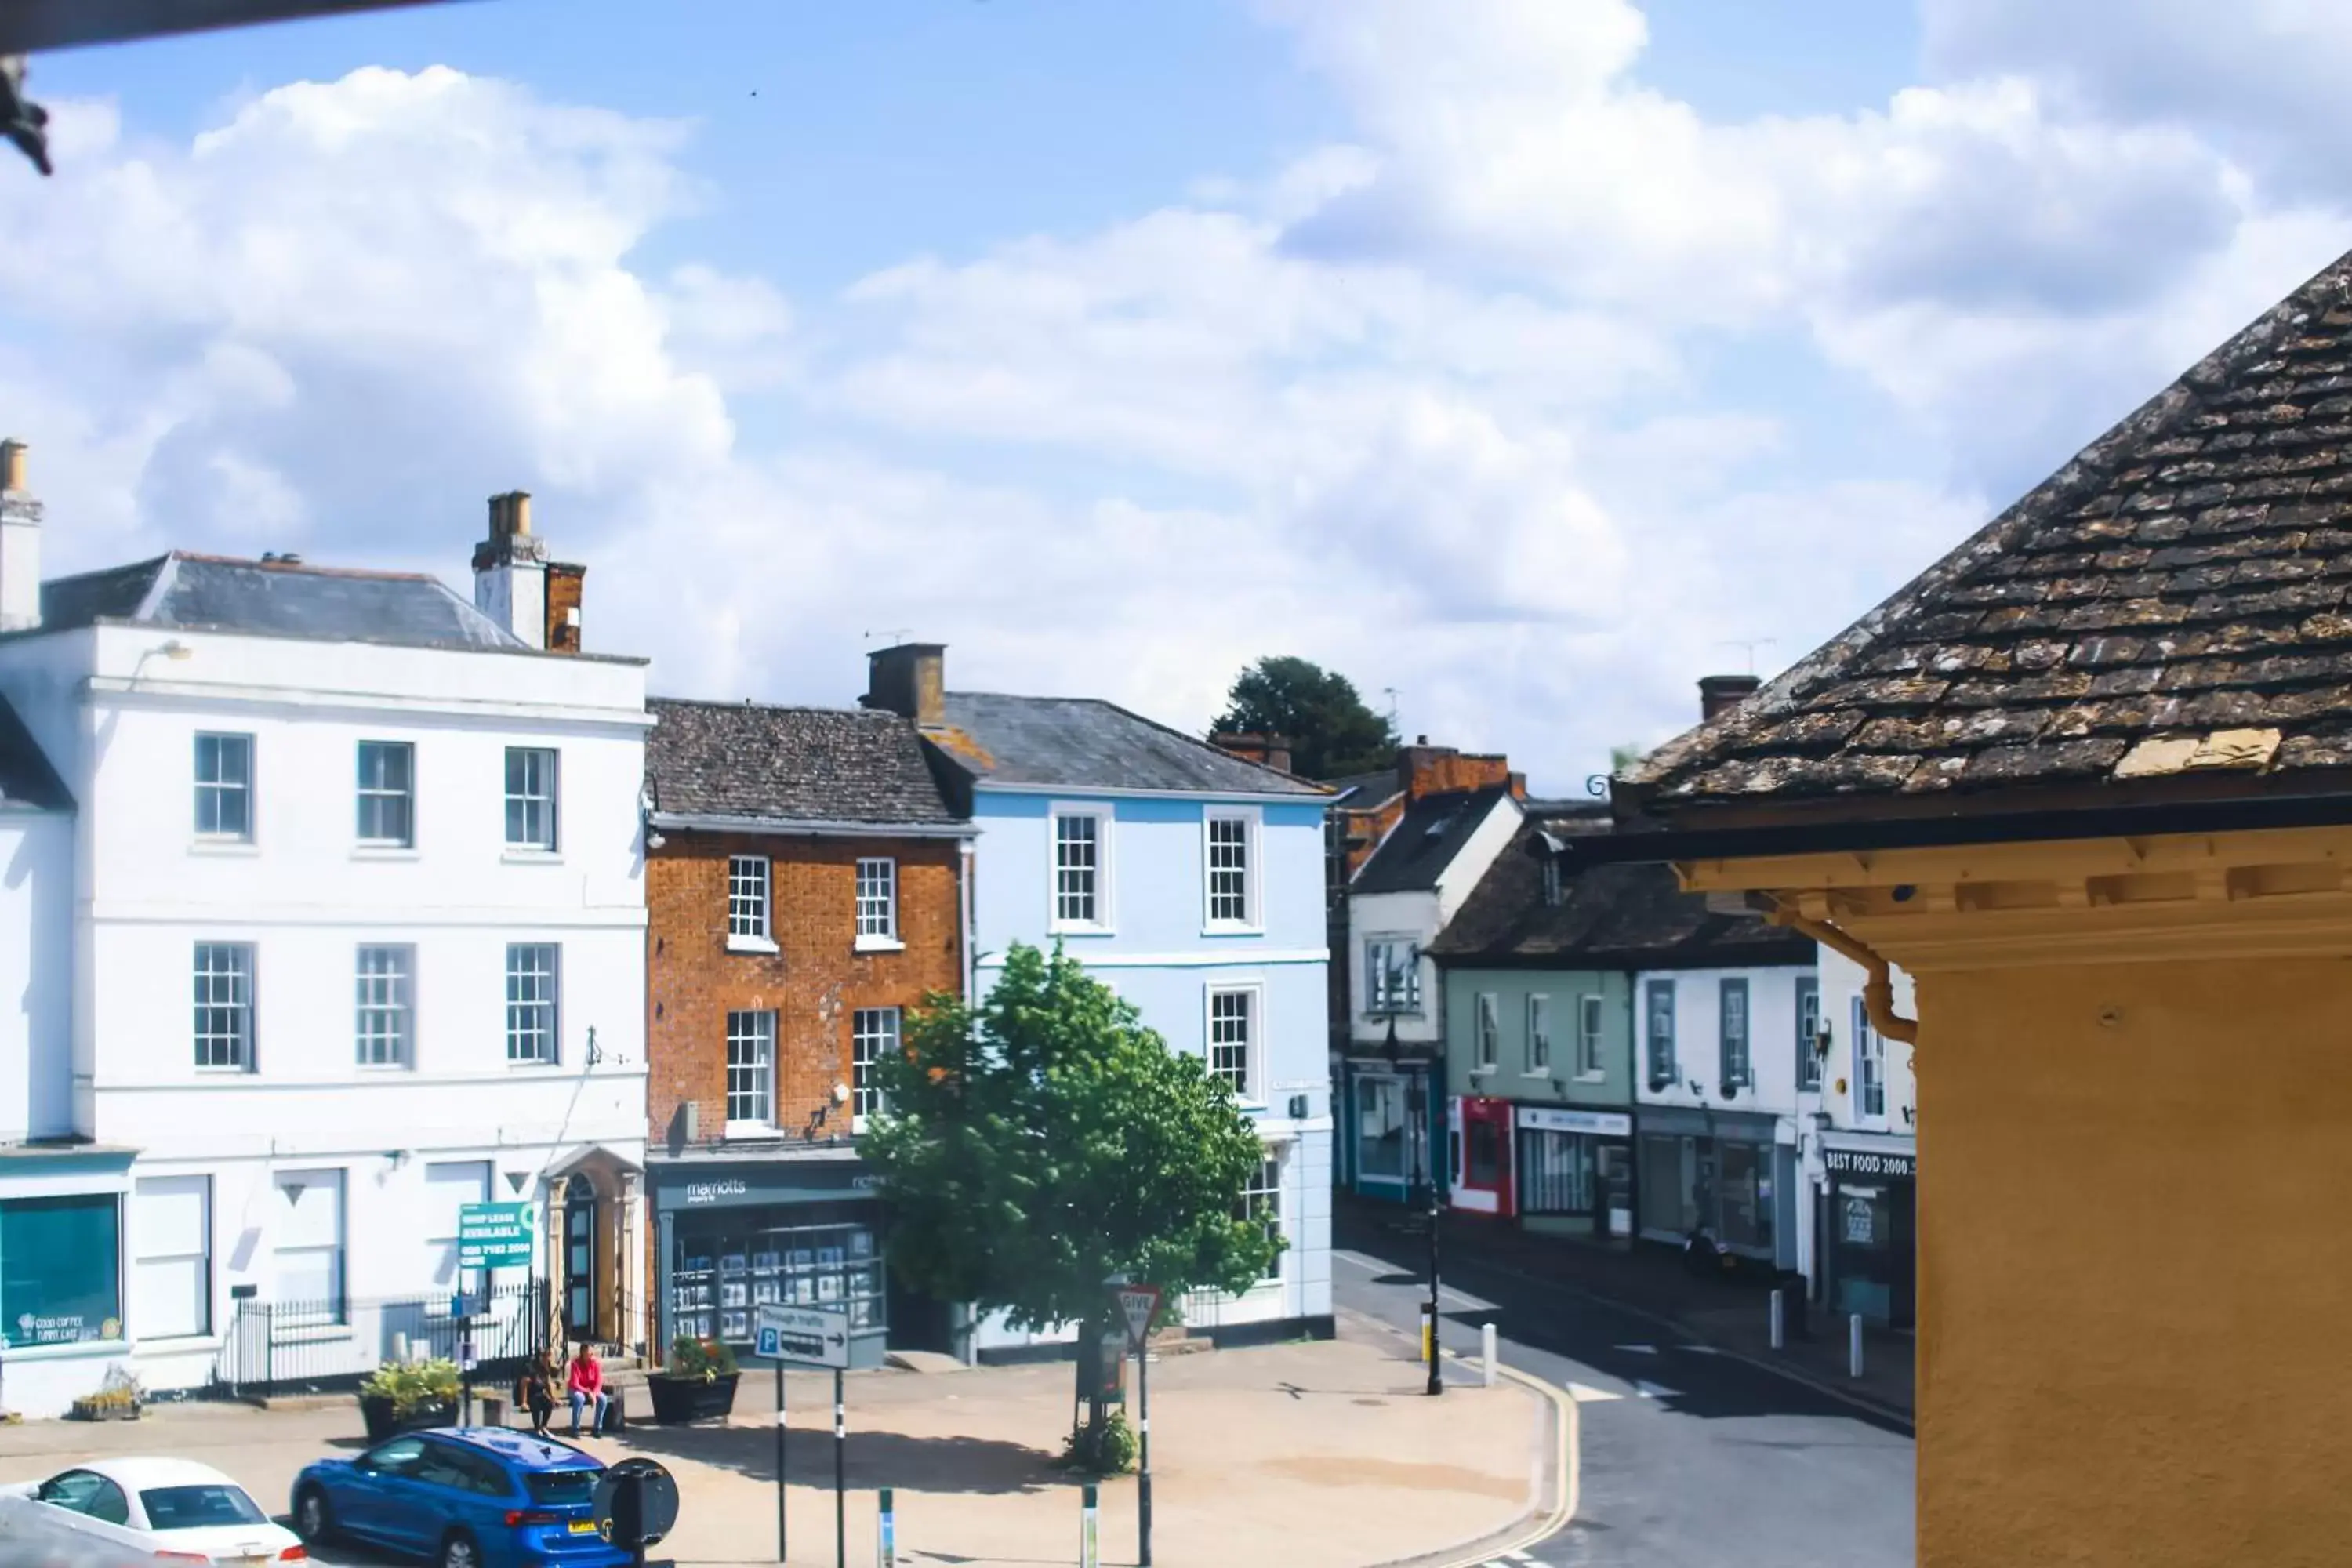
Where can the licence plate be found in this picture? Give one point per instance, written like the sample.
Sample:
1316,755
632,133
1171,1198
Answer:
583,1527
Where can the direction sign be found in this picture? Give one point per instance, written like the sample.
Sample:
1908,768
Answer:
495,1236
1140,1304
815,1336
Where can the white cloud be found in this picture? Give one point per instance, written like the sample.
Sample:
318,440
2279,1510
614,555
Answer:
1439,405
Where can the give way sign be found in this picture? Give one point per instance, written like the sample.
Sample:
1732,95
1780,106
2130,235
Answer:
1139,1304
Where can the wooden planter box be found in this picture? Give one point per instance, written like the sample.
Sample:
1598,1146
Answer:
382,1421
677,1400
85,1410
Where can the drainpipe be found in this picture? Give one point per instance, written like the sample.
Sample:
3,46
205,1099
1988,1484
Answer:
1877,989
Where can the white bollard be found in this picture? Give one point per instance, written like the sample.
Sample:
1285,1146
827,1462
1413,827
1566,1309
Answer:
1779,1321
1853,1346
1487,1349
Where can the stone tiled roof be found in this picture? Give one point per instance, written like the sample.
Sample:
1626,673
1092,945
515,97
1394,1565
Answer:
2166,612
1082,742
214,593
1628,916
760,764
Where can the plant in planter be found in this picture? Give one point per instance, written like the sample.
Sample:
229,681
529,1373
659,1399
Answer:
697,1383
119,1398
402,1395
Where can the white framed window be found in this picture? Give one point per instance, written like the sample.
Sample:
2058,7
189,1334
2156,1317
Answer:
1588,1038
1809,1032
307,1250
387,794
532,976
1869,1065
748,918
530,798
1082,868
223,786
1539,1035
878,902
751,1072
172,1257
1733,1069
1261,1200
1229,857
1659,995
386,1005
1392,975
872,1035
1233,1012
1487,1026
449,1186
224,998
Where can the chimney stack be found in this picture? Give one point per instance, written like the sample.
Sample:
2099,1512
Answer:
20,545
1718,692
510,570
1267,750
908,679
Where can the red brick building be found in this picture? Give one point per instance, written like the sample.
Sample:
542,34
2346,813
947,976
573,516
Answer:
804,892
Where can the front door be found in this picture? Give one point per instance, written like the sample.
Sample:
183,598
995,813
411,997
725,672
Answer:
580,1260
1484,1176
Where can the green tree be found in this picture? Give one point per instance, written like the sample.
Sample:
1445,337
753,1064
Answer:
1033,1147
1331,733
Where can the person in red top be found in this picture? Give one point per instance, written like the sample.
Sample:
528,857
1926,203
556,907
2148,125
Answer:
584,1386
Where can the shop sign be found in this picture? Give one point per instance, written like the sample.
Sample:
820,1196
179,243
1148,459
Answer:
1864,1163
1859,1223
1600,1124
711,1192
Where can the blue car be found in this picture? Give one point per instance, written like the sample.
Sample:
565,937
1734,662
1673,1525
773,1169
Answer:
462,1496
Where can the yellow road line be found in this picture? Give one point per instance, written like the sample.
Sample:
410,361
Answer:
1571,1466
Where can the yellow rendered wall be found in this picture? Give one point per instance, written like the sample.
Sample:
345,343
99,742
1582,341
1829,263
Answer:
2135,1265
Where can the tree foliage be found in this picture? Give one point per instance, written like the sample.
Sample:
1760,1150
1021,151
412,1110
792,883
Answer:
1331,733
1033,1147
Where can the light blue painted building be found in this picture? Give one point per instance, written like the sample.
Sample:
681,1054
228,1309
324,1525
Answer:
1188,879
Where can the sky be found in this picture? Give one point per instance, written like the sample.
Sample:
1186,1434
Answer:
1522,360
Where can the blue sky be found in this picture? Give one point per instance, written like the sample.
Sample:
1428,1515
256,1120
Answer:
1525,356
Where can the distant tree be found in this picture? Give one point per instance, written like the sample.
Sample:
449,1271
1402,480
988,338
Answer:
1623,757
1033,1147
1331,733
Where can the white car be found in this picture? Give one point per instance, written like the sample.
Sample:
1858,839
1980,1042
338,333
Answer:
131,1513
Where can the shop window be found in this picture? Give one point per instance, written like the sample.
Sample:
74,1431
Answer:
60,1269
1486,1155
171,1283
1555,1171
1744,1197
719,1275
1670,1185
1379,1127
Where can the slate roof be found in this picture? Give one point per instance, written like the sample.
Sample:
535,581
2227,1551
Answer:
1424,841
2166,615
1365,789
214,593
25,776
1618,916
1080,742
790,764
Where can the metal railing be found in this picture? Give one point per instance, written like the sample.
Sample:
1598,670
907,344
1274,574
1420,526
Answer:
299,1347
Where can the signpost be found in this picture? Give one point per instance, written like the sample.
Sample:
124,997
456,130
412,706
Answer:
809,1336
1140,1304
489,1236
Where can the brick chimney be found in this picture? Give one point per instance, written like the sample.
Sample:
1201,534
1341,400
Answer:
1717,692
1423,770
908,679
1269,750
20,545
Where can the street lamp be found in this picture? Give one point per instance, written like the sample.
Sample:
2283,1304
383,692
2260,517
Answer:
1417,1090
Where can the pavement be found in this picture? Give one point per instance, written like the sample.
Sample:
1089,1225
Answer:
1691,1455
1732,1313
1309,1455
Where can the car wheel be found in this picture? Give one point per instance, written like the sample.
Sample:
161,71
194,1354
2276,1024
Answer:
458,1550
313,1520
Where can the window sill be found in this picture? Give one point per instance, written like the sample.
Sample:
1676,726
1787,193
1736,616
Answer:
1060,929
750,1129
878,944
1487,1071
114,1347
1232,928
1592,1078
737,943
515,855
224,1072
233,847
379,1068
386,852
533,1066
1536,1072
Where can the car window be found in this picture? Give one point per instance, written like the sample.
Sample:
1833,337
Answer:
89,1493
198,1508
397,1457
446,1465
553,1488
